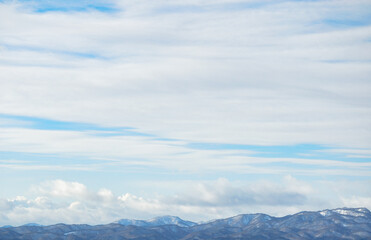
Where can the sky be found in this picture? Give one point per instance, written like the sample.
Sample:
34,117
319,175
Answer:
114,109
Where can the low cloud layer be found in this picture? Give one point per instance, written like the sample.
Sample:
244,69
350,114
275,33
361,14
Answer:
72,202
222,193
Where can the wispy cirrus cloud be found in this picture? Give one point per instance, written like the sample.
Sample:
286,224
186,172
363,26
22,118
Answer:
185,90
54,145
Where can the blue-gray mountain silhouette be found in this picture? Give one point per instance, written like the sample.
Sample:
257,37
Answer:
341,223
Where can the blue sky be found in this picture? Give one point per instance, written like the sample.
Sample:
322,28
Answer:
44,6
113,109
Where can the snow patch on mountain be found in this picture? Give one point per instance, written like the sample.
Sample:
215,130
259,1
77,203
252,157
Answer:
158,221
325,213
349,212
170,220
355,212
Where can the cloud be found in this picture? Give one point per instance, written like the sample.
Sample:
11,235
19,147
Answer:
82,150
357,201
351,153
72,202
223,193
276,73
59,188
255,71
95,150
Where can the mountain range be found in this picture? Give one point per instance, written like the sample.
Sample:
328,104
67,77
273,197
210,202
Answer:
341,223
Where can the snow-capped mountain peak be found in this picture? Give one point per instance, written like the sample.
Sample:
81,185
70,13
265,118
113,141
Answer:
354,212
170,220
157,221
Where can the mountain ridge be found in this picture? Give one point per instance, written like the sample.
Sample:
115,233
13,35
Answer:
339,223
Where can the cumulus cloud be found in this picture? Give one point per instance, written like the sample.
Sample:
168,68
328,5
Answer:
71,202
59,188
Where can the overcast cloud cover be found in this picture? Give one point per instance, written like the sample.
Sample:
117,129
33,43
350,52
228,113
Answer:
200,109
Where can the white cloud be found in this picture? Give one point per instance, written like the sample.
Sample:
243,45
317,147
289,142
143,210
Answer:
357,201
59,188
142,152
72,202
197,76
277,74
224,193
352,153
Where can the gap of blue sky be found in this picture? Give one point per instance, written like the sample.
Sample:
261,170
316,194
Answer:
49,124
303,151
75,55
44,6
362,18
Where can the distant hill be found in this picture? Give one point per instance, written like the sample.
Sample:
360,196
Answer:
341,223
